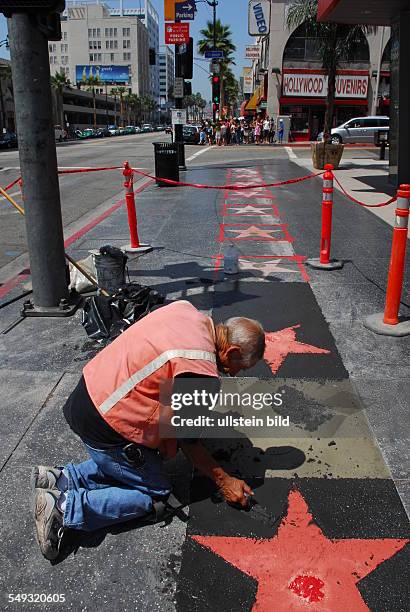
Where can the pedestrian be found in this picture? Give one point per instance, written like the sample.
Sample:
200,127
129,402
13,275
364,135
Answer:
266,130
218,134
281,131
202,136
246,132
238,133
228,133
223,133
257,132
116,411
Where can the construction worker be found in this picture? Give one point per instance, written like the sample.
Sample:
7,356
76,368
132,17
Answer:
115,410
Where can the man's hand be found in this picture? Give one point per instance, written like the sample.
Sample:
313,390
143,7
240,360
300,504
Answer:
235,491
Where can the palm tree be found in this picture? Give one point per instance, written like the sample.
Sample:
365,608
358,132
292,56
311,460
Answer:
222,41
93,82
121,92
114,92
231,88
58,82
336,43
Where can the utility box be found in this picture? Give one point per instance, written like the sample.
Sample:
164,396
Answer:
166,162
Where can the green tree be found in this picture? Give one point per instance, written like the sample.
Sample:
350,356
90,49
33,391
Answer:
114,92
121,92
92,82
58,82
336,43
223,42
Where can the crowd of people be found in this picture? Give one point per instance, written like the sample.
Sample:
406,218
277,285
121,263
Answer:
241,131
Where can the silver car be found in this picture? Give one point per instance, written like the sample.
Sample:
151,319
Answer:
358,130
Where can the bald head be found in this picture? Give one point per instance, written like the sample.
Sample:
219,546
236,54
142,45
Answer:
249,336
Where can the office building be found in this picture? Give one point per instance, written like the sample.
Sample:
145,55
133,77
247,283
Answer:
96,43
166,76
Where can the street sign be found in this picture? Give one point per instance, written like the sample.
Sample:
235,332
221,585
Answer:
176,33
178,87
214,54
185,11
169,10
259,17
214,67
253,52
179,116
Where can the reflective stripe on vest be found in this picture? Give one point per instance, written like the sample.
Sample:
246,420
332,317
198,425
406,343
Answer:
149,369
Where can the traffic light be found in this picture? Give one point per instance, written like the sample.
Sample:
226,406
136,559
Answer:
215,107
216,89
187,88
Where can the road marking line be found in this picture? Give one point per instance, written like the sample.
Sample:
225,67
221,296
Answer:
198,153
291,153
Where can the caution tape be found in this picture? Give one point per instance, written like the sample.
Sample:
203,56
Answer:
350,197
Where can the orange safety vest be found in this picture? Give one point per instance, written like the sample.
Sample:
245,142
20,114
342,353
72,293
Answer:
124,380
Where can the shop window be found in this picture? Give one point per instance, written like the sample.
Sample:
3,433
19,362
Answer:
304,47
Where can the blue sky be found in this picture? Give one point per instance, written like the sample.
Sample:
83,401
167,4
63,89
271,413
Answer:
231,12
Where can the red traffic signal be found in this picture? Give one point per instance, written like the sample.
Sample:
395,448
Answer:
216,79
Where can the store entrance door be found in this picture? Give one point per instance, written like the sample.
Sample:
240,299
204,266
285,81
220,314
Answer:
316,121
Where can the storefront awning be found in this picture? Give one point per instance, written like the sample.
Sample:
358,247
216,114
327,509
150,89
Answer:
253,102
244,109
370,12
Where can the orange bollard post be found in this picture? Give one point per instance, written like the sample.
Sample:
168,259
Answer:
135,246
324,262
389,323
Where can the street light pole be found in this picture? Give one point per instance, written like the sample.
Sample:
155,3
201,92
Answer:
38,163
213,4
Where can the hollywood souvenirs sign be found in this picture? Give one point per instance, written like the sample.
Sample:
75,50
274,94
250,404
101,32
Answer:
315,85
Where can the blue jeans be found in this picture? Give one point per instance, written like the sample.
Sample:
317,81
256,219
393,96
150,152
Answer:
107,489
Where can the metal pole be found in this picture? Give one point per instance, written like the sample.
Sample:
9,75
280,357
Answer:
38,161
106,105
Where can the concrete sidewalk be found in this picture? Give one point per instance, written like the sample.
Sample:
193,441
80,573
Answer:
344,480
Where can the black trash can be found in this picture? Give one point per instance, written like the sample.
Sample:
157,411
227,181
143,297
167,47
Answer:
166,162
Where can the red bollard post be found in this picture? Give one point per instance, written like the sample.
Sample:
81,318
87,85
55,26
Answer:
135,246
388,323
324,262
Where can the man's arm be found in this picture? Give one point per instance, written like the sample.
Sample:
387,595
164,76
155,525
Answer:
235,491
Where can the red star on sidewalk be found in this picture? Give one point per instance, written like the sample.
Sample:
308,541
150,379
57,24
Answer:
282,343
300,568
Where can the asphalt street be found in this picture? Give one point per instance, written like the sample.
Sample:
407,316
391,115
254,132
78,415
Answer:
80,193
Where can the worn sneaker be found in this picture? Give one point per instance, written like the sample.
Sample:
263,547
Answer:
49,522
45,477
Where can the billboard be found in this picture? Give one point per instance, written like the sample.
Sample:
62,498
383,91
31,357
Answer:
259,17
247,80
253,52
106,74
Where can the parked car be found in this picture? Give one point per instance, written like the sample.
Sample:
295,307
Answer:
87,133
103,132
8,140
60,133
168,129
147,127
114,131
358,130
190,134
130,129
137,129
